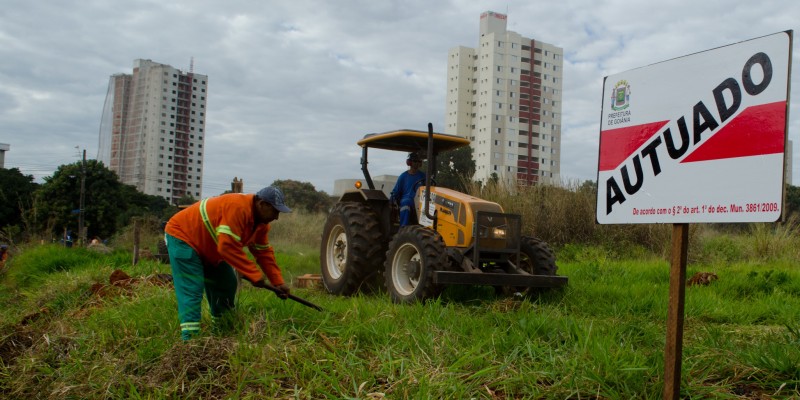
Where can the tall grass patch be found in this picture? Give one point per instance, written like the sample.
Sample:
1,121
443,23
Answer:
565,214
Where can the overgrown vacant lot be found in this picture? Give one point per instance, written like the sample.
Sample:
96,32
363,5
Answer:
65,332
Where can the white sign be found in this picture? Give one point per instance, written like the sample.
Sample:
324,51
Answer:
699,138
423,218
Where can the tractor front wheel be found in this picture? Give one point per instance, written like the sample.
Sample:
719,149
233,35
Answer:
413,255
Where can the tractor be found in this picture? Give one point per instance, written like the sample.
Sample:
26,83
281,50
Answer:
456,238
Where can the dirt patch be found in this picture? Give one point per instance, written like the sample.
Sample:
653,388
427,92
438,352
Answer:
200,358
21,337
15,344
751,391
702,279
119,278
120,283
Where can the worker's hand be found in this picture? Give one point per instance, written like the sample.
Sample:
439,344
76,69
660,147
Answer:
261,283
284,289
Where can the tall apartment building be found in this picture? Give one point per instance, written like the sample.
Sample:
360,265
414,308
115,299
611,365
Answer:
505,96
153,128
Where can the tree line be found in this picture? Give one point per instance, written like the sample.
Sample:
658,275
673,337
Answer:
49,210
29,209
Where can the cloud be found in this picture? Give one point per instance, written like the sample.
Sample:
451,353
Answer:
293,85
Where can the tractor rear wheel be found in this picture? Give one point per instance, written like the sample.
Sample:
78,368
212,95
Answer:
413,255
536,257
351,249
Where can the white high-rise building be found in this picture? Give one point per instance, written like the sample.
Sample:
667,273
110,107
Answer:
153,129
505,96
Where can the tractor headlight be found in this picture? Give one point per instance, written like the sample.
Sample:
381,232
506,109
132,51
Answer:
499,233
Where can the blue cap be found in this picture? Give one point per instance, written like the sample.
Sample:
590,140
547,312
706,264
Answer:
274,196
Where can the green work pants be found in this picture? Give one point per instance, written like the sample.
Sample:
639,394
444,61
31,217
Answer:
191,276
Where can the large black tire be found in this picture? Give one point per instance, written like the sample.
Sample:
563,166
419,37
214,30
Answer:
536,257
414,253
352,248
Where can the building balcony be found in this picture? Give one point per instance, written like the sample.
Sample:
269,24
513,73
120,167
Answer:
529,165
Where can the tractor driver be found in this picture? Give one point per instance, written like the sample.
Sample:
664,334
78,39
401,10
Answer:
406,188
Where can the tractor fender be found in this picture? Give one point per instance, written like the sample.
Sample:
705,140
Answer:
364,196
377,201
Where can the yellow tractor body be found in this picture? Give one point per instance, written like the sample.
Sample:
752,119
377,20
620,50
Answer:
456,238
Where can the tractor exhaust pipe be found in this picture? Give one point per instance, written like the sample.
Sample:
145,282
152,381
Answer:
428,174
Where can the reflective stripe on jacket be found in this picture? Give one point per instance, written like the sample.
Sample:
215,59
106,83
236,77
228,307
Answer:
219,228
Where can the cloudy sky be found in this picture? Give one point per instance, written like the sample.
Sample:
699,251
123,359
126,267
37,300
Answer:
294,84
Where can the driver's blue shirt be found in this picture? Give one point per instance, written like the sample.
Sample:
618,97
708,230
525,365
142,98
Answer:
404,191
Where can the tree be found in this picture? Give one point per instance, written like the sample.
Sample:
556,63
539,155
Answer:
109,204
186,200
588,187
16,193
303,195
139,204
454,168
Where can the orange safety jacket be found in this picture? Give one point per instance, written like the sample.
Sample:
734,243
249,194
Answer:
219,227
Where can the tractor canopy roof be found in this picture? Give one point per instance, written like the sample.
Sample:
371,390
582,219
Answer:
409,140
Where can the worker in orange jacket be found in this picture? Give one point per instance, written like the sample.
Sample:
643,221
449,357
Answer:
206,244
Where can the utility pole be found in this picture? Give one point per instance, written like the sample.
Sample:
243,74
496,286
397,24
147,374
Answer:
81,232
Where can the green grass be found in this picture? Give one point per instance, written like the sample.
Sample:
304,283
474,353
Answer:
600,337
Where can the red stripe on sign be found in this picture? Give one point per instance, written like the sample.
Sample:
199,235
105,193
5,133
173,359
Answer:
757,131
617,144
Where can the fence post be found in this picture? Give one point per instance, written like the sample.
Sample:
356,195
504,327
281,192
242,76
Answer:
135,241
